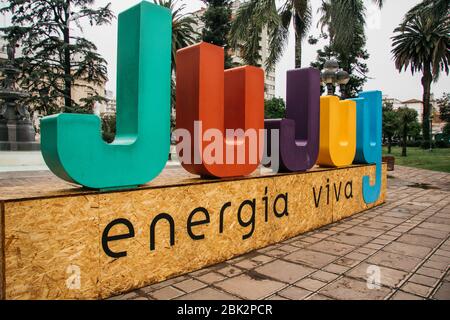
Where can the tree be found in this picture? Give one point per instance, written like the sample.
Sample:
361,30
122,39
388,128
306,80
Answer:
432,8
415,130
406,119
217,20
444,107
109,127
422,43
444,113
55,58
183,35
390,124
352,62
274,108
256,16
342,23
446,130
345,20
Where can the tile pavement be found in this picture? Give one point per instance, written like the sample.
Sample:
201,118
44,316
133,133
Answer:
407,241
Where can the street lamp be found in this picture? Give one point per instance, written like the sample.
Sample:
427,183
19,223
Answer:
331,76
342,79
331,65
431,131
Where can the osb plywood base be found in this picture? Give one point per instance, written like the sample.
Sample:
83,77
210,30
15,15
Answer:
61,244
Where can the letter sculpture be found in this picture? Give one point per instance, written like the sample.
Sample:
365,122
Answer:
299,132
219,100
72,144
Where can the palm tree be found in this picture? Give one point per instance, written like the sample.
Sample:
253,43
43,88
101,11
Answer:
183,33
256,16
434,8
422,44
345,20
406,118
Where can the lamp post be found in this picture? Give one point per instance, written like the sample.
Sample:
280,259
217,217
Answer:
331,76
431,132
342,79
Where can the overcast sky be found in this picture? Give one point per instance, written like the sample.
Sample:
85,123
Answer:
381,24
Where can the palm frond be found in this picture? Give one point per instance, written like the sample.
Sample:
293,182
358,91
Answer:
183,32
303,17
434,8
423,42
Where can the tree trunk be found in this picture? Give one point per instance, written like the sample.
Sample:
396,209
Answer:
389,145
405,135
426,84
298,51
67,63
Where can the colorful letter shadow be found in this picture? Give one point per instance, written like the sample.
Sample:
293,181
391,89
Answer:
299,132
337,132
72,145
220,100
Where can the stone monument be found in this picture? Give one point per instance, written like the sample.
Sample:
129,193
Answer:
16,128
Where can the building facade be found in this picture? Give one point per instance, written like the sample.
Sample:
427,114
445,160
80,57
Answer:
415,104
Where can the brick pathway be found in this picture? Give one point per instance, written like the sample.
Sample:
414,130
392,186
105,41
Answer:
406,240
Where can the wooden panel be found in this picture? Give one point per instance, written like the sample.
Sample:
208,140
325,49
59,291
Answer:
49,240
46,241
347,180
2,252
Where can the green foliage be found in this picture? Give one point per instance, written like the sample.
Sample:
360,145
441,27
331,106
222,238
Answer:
422,44
444,107
109,127
407,120
390,123
217,20
183,33
256,15
352,62
55,58
342,22
442,144
446,130
432,8
414,130
274,108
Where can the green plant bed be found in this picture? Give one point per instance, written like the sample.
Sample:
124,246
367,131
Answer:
436,160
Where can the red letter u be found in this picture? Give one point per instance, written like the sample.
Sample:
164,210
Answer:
220,100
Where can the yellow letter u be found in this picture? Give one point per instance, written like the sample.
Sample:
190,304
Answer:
337,132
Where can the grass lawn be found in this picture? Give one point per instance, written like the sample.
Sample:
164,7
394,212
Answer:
437,160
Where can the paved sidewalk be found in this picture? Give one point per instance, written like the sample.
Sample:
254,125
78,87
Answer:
406,241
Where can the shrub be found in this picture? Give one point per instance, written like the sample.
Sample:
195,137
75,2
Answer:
426,144
414,143
442,144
